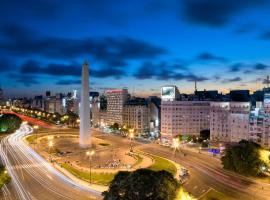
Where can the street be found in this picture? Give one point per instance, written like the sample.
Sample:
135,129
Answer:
34,178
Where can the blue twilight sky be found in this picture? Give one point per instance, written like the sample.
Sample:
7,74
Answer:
142,45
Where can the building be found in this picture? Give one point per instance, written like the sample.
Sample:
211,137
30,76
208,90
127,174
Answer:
136,115
184,118
116,100
154,104
1,95
229,121
38,102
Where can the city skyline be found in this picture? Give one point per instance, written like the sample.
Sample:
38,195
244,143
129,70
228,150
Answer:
142,47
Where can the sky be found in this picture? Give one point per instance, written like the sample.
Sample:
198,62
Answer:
141,44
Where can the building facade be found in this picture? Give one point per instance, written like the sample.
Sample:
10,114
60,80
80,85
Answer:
116,100
136,115
184,118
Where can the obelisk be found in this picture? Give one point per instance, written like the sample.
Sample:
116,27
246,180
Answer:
85,136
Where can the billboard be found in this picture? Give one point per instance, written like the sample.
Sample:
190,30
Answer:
168,93
266,98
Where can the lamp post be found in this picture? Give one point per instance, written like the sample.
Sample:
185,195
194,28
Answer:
35,128
90,154
175,145
131,137
50,146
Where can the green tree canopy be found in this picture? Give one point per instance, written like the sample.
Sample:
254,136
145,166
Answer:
244,158
142,184
9,123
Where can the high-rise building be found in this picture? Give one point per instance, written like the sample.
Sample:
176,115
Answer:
116,100
1,94
229,121
136,115
182,117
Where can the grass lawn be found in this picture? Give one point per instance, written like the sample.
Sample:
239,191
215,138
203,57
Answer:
163,164
97,178
139,159
4,177
215,195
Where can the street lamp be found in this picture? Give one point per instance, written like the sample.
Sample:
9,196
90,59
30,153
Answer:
131,137
175,145
50,146
90,154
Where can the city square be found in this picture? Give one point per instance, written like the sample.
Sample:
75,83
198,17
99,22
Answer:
134,100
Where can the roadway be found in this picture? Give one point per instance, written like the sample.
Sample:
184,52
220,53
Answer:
34,178
205,172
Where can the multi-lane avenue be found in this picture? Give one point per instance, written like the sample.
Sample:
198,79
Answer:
33,177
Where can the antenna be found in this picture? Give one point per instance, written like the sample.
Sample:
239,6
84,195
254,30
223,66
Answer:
267,81
195,86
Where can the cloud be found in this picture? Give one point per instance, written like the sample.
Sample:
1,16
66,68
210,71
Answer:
107,72
26,80
71,69
231,80
165,71
53,69
210,57
215,13
247,68
236,67
115,52
68,82
265,35
260,66
6,65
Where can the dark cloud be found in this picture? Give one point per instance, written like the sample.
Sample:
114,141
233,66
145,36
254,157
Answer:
68,82
42,9
247,68
72,69
107,72
260,66
230,80
6,65
165,71
214,12
110,51
236,67
53,69
210,57
265,35
26,80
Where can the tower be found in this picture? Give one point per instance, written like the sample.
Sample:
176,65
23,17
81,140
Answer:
85,136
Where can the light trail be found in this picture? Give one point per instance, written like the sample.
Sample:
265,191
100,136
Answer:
22,163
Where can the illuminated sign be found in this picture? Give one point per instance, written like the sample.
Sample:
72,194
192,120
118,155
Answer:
266,98
168,93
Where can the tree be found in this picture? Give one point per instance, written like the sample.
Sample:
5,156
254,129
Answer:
244,158
142,184
115,126
205,134
9,123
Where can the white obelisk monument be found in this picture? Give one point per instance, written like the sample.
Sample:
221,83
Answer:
85,136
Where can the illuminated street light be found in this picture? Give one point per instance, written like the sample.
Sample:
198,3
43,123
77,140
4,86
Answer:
175,145
131,137
90,154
